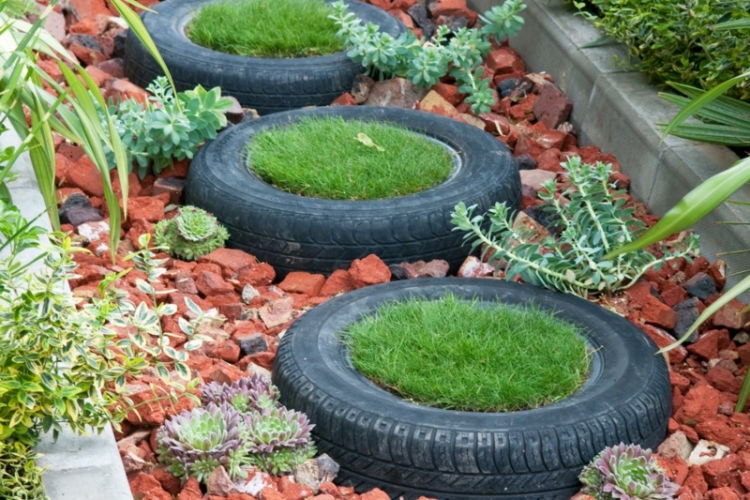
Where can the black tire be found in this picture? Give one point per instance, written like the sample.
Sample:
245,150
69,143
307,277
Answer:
381,440
297,233
264,84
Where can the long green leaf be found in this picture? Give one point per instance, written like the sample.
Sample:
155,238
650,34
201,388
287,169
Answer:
717,111
733,25
714,134
94,136
693,207
139,30
42,152
702,101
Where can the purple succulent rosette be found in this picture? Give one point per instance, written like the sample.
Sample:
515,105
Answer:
245,395
194,443
277,440
268,431
626,472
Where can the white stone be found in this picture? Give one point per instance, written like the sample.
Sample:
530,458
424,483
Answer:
706,451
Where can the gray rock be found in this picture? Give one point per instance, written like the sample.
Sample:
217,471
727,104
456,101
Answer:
687,312
676,445
77,210
78,216
361,88
395,93
701,285
515,88
119,48
252,344
87,41
249,293
55,25
453,23
170,185
525,162
418,13
316,471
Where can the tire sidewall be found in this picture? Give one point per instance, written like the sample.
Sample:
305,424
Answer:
413,227
273,81
625,399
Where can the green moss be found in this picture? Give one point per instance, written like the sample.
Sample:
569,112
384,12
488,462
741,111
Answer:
348,160
465,355
266,28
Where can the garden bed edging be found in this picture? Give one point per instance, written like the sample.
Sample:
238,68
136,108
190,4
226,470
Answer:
78,467
616,109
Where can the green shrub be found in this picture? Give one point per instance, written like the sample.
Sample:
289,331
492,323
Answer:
425,61
20,478
61,361
677,40
190,235
168,128
593,223
266,28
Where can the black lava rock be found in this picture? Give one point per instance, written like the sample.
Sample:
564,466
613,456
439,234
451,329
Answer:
515,88
701,285
252,344
77,210
87,41
687,312
454,23
525,162
397,272
119,47
547,218
420,16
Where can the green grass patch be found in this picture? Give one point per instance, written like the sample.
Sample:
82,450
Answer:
348,160
266,28
467,355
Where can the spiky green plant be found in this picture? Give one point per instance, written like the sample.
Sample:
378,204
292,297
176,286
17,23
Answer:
277,440
247,394
193,444
626,472
593,220
191,234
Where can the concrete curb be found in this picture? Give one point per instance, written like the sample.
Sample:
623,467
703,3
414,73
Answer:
616,109
78,467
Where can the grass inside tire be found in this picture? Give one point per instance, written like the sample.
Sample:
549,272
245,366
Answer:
265,84
381,440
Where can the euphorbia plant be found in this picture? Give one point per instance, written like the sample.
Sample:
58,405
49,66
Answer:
425,61
593,221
